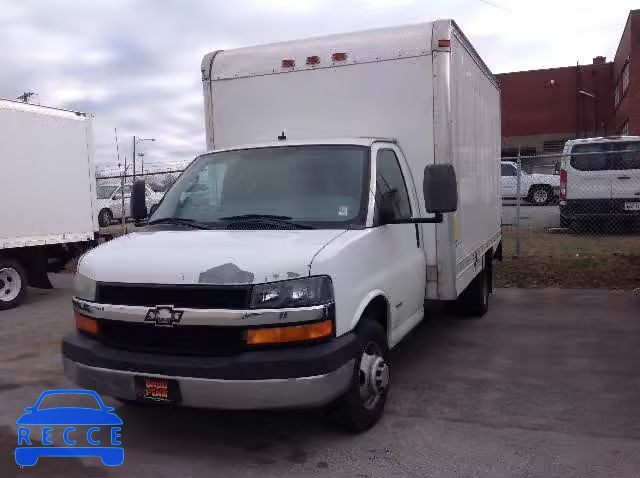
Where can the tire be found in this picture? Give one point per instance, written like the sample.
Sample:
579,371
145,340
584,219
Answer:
363,404
105,217
540,195
13,284
474,301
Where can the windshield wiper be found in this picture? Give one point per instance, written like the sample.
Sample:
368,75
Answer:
266,218
180,222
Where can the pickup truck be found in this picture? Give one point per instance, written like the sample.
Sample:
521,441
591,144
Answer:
539,189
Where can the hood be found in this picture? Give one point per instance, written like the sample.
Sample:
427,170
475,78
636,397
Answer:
206,257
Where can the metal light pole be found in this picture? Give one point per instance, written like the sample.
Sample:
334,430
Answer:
137,140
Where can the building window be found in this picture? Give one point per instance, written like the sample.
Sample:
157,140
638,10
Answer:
622,85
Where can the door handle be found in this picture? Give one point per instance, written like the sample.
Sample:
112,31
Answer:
624,177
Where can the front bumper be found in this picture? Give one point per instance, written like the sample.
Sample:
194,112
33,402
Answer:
307,376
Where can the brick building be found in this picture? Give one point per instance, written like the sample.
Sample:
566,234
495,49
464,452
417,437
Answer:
541,109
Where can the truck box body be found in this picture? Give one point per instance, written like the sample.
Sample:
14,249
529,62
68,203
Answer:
422,85
48,173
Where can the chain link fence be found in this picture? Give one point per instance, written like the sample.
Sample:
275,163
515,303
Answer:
572,220
114,197
568,220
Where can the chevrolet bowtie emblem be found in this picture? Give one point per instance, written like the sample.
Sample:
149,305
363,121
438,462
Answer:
164,316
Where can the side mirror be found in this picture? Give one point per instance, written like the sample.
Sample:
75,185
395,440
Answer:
440,188
386,208
138,200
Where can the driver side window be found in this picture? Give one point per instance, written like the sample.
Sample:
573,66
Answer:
389,181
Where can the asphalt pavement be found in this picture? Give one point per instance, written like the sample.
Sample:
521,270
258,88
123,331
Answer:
547,384
531,217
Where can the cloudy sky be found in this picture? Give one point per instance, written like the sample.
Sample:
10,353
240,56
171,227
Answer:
135,64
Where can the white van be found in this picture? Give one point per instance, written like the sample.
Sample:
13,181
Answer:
600,180
283,265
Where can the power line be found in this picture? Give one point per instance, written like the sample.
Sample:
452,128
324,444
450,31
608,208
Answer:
501,7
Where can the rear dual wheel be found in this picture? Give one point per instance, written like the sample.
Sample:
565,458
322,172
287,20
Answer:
474,301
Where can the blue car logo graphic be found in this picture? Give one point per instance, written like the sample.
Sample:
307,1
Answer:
27,455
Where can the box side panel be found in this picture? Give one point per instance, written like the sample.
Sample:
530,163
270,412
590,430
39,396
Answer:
468,136
475,152
47,174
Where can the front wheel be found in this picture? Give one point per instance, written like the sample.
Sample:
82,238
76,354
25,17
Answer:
363,404
13,284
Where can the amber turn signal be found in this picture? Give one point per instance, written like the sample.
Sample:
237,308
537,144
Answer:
293,333
85,324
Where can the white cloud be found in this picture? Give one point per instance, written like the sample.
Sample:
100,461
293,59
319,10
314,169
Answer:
135,64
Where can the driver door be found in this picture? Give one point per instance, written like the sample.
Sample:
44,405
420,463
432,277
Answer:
404,258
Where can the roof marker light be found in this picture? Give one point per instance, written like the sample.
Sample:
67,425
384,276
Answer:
313,60
289,63
339,56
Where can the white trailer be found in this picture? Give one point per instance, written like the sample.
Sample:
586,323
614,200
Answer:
48,182
310,238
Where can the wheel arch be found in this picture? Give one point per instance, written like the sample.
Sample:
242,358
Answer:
377,302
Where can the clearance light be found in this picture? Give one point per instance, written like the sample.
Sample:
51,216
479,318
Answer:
293,333
288,63
85,324
339,56
444,43
313,60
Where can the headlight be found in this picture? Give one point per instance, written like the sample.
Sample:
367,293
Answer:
292,293
84,288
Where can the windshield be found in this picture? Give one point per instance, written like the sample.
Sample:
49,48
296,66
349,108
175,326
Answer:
105,192
322,186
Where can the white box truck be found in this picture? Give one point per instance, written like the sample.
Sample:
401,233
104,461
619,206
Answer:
49,191
284,264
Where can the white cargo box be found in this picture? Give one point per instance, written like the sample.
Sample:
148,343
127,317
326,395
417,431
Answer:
48,176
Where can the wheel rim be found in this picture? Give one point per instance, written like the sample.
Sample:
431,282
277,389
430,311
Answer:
373,375
106,217
10,284
540,196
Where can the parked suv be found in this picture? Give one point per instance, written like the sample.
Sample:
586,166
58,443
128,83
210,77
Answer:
539,189
600,179
110,201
